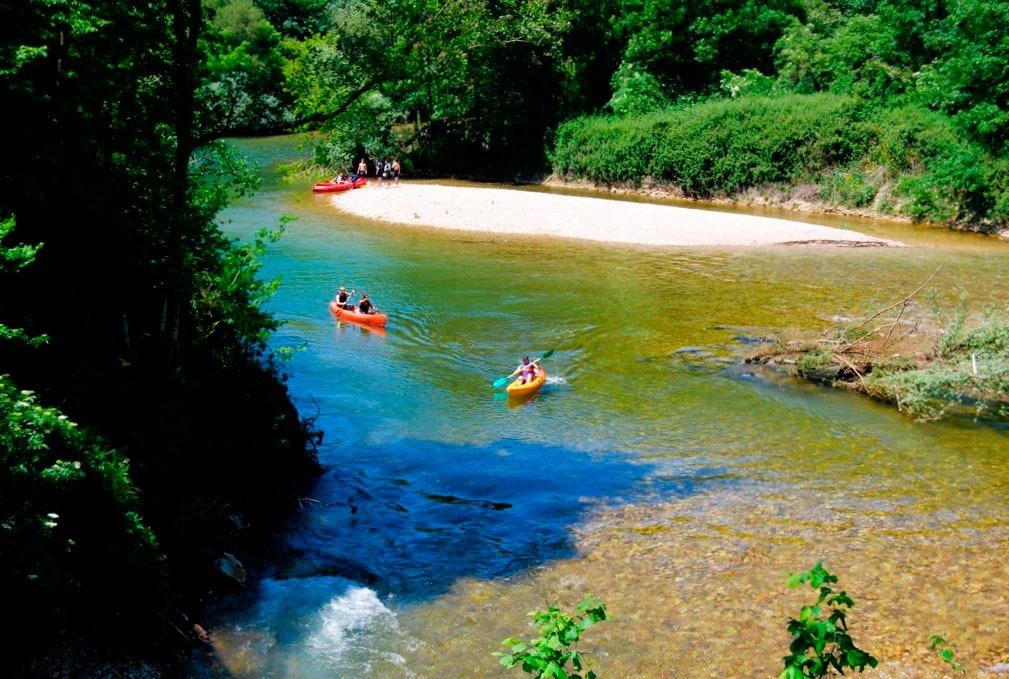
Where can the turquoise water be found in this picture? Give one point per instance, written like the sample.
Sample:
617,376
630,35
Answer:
440,496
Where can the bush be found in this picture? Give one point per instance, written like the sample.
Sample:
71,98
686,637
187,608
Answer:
725,146
74,546
713,147
550,654
847,188
821,643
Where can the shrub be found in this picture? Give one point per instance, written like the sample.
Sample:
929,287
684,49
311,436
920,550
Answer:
847,188
724,146
821,642
549,654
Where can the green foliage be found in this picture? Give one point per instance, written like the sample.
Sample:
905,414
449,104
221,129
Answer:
724,146
847,188
244,69
635,90
554,653
714,147
154,318
686,44
72,539
821,643
70,533
813,361
298,18
13,259
944,382
945,653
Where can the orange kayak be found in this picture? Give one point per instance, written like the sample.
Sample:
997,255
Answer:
516,389
357,316
336,187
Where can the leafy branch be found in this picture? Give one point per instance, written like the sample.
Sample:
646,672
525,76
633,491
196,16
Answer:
821,640
939,645
548,655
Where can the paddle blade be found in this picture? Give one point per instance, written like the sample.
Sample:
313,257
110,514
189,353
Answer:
500,382
547,355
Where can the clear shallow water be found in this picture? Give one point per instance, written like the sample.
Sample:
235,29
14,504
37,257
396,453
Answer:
646,472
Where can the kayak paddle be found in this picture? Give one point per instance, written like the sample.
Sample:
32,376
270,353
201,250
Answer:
501,381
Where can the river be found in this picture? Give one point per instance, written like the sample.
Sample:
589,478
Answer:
654,470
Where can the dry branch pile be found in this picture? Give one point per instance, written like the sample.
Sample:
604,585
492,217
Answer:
899,355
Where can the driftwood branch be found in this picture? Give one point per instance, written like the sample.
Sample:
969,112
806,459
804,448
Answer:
896,304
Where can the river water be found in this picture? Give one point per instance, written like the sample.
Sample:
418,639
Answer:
654,470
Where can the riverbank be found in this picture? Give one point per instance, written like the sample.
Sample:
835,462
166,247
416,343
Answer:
527,213
928,367
801,199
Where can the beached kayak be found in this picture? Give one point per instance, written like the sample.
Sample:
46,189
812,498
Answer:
515,389
356,316
336,187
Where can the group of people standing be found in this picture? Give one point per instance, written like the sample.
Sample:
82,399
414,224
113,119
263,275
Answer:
385,170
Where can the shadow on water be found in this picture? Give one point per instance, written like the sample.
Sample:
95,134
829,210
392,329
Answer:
421,514
415,517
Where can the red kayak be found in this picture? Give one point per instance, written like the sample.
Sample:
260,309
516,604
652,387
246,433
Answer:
336,187
357,316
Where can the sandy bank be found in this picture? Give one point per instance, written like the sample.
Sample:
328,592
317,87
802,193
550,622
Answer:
598,219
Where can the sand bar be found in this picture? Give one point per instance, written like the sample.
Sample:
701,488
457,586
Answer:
598,219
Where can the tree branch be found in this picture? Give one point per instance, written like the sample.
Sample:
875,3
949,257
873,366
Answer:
287,126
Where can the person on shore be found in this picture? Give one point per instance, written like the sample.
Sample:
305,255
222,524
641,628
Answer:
362,168
365,306
386,170
395,171
343,298
378,171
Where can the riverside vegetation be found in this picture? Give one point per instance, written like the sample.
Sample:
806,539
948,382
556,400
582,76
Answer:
888,107
928,365
145,427
820,643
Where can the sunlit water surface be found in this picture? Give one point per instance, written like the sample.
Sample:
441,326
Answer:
653,470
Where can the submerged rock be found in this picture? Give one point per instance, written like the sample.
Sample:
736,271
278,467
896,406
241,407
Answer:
231,567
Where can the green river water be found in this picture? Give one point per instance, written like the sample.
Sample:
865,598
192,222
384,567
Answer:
654,470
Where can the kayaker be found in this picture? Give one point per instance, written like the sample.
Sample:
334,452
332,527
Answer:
526,371
343,297
362,168
337,179
395,171
365,306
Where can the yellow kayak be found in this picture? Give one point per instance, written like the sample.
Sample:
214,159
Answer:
516,389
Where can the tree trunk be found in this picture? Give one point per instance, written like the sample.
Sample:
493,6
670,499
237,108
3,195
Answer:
187,22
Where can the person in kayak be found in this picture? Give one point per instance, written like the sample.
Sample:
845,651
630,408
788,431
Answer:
343,298
365,306
526,371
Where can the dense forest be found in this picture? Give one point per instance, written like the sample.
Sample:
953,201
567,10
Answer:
146,429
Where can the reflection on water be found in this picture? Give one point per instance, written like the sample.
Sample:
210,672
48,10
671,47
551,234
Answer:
652,470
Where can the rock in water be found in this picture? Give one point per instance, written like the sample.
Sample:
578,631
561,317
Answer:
231,567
